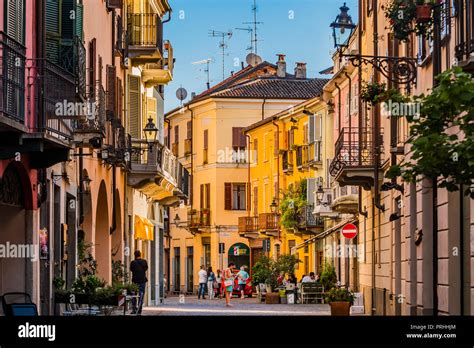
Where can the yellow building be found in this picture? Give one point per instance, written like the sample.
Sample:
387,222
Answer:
287,149
206,134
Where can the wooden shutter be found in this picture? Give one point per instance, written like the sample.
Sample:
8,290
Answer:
201,197
111,92
305,134
255,149
99,70
15,19
119,98
80,21
228,196
255,200
206,140
134,97
208,196
189,128
318,125
310,189
276,189
92,66
238,137
151,105
311,129
53,30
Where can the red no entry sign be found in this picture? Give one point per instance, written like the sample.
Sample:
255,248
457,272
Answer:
349,231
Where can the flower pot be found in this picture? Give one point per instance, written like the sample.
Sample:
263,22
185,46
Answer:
423,13
268,288
342,308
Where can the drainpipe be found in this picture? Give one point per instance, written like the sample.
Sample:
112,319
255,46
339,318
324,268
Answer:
263,108
359,107
278,168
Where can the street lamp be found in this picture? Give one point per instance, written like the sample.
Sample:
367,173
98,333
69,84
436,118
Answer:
274,206
176,220
342,27
150,131
320,194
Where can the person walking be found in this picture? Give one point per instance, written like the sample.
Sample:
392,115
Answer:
218,283
138,267
229,283
243,276
211,279
202,275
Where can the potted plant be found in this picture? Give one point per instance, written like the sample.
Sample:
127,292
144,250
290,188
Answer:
372,92
328,276
263,273
340,300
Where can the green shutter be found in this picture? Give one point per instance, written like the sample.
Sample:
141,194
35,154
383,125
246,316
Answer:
69,13
53,30
80,21
15,20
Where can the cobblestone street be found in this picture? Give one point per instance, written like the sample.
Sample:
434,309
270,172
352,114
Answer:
248,306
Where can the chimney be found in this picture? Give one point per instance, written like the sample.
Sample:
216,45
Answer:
281,66
193,94
300,70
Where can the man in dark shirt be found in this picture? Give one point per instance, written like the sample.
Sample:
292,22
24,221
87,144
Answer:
138,267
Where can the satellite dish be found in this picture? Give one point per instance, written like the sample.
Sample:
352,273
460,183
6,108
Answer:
181,93
253,59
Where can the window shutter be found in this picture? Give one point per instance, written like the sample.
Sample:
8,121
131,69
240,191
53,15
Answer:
151,105
318,126
67,19
206,139
134,97
311,129
92,66
255,200
310,189
80,21
228,196
119,98
208,196
255,149
305,133
189,130
111,93
276,189
201,197
53,30
15,20
176,134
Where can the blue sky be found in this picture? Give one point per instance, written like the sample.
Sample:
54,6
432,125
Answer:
298,28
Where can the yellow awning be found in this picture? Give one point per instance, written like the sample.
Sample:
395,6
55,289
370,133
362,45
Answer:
144,228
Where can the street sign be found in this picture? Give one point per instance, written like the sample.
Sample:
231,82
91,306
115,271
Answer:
221,248
349,231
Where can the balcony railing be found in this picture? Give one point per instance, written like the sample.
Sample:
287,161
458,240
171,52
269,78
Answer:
465,35
268,221
145,30
199,218
353,149
95,120
308,220
54,92
12,78
248,224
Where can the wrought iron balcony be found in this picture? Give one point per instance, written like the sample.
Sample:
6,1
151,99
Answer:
154,74
307,221
464,50
198,219
144,38
157,173
354,159
12,81
94,121
269,223
248,226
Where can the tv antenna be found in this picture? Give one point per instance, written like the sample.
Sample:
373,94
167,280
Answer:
222,45
249,30
206,70
255,24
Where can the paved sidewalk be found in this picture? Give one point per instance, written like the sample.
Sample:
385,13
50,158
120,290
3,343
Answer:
190,305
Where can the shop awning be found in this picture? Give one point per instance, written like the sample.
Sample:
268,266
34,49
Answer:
324,234
144,228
